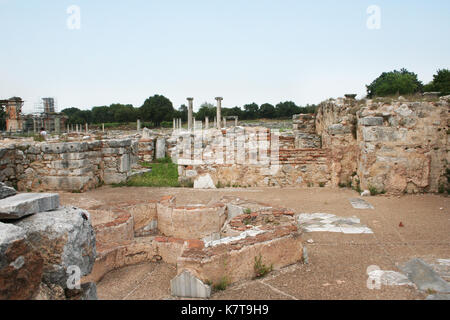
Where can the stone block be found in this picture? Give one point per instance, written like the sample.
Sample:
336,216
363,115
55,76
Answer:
21,266
424,277
6,191
204,182
371,121
160,148
57,148
25,204
65,238
188,286
65,183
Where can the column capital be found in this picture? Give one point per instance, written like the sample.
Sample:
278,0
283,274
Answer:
190,99
219,98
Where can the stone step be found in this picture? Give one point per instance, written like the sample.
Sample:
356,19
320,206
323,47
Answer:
26,204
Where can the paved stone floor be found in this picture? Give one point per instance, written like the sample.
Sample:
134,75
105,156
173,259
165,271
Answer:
412,226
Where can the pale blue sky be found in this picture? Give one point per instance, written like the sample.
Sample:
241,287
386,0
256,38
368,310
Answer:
244,50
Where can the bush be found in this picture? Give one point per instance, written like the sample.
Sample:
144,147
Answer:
261,269
395,82
223,284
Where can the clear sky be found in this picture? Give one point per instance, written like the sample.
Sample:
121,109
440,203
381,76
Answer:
244,50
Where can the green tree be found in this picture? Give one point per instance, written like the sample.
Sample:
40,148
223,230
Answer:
394,82
251,111
440,83
286,109
157,109
206,110
267,111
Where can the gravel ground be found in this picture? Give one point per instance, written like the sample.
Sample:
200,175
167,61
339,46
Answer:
338,262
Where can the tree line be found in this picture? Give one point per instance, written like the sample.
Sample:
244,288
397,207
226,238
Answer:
159,109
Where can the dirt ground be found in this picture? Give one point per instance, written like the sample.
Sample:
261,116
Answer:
337,262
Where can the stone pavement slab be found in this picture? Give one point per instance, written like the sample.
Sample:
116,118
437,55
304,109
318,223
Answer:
26,204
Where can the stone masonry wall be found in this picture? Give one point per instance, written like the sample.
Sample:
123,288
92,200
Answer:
75,166
393,146
247,157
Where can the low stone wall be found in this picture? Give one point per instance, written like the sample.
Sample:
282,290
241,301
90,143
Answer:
235,261
189,222
74,166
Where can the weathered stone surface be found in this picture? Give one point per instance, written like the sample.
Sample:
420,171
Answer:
234,211
204,182
66,183
64,238
360,204
160,148
371,121
25,204
188,286
424,277
20,265
6,191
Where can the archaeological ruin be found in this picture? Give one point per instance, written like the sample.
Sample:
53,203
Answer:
381,146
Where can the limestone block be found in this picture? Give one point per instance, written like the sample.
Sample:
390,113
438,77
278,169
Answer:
371,121
188,286
118,143
160,148
64,238
125,163
234,211
20,265
112,177
204,182
65,183
70,164
25,204
6,191
57,148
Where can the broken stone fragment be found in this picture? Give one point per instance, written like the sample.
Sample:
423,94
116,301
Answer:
6,191
424,277
65,238
204,182
26,204
20,265
189,286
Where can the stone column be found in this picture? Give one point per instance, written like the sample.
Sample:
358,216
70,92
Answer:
103,127
219,112
206,123
57,125
236,121
138,125
190,111
87,128
224,122
174,124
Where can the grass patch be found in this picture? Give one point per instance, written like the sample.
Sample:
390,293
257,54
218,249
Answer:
223,284
164,174
261,269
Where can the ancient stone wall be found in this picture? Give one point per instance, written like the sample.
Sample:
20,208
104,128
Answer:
74,166
247,157
387,145
403,146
